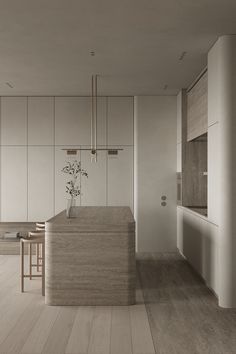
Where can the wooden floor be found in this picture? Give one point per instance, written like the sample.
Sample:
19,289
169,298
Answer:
183,313
180,315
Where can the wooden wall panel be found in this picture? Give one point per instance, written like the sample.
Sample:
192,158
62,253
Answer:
197,109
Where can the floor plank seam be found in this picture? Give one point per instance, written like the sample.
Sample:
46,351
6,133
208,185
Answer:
147,311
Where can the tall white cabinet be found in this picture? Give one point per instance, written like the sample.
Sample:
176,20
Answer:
94,188
41,121
13,183
14,121
40,182
120,178
35,130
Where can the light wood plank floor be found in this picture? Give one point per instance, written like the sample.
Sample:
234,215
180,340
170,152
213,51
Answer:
175,313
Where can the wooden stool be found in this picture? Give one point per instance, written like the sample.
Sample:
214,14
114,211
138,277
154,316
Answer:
36,233
40,226
32,240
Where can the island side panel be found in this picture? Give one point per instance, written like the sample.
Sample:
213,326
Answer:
90,268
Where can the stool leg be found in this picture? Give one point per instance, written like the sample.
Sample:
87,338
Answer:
43,269
30,261
22,254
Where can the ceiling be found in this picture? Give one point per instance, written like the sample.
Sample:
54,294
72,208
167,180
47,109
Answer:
45,45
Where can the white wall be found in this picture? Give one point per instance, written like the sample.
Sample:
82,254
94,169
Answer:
155,169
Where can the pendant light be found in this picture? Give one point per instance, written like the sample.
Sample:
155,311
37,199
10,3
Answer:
94,105
94,110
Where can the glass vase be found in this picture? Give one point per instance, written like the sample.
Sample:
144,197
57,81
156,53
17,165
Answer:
70,212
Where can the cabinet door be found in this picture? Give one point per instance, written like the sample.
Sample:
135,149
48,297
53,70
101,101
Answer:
210,262
102,121
40,183
197,109
40,120
120,178
72,120
14,121
193,239
120,121
13,183
93,188
61,178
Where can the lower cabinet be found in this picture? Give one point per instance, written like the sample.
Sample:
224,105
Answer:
40,183
33,186
61,178
197,240
93,188
120,178
13,183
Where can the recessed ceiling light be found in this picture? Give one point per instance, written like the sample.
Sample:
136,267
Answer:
9,84
183,54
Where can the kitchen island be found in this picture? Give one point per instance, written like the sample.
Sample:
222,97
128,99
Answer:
90,259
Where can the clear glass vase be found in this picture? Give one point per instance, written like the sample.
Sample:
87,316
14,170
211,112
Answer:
70,212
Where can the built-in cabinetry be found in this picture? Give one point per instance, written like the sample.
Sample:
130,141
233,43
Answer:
197,240
198,164
192,145
40,119
14,121
197,108
40,182
34,130
13,183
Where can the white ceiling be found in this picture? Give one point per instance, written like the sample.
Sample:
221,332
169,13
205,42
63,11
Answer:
45,45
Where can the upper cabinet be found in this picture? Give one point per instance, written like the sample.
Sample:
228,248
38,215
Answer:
120,120
14,121
197,109
73,121
40,120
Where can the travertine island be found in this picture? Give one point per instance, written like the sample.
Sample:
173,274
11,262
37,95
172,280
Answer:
90,259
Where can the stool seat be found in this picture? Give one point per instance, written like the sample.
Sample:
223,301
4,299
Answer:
40,225
33,240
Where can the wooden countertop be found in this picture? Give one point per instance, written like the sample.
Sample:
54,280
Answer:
94,219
